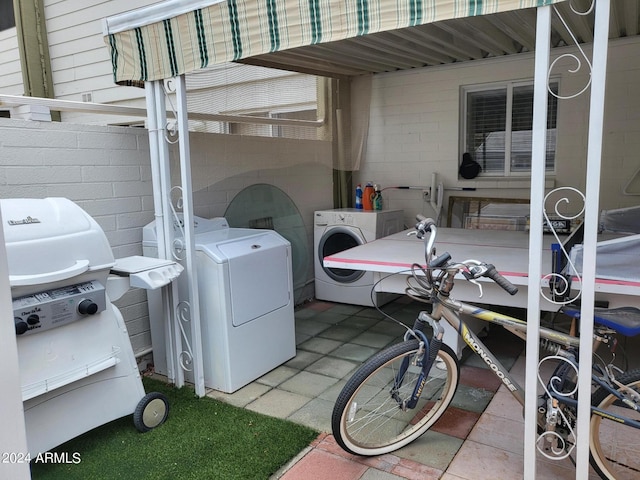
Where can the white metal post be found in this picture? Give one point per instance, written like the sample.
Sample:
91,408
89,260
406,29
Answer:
190,246
538,162
13,437
164,224
158,210
152,128
592,205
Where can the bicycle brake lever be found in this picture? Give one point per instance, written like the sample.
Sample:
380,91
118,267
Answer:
478,285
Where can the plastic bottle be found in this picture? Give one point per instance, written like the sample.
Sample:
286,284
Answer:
359,197
377,198
367,197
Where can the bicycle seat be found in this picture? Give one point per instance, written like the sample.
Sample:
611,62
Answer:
625,320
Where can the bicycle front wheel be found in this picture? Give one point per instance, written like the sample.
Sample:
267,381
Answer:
369,418
615,448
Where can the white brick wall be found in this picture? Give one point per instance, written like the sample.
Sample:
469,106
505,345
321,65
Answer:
415,128
106,170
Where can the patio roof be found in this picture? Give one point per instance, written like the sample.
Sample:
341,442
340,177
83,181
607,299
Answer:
333,38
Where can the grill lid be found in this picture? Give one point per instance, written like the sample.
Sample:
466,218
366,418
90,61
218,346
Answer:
51,239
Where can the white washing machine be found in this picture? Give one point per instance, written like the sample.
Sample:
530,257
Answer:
245,289
338,230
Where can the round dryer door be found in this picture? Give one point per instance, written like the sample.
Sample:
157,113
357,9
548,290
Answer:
335,240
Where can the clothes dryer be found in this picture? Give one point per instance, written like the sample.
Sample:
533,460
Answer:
338,230
245,289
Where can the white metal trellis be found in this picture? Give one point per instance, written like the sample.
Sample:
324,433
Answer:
176,309
594,152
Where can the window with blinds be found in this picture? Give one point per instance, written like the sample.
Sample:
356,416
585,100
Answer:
497,130
248,90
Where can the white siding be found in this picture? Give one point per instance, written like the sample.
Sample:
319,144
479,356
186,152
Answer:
415,128
10,71
80,60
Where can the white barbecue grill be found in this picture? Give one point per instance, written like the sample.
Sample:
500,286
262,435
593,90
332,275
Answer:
77,366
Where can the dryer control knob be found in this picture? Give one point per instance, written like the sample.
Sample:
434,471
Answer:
21,325
87,307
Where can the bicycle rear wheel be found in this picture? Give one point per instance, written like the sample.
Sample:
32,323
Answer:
367,417
615,448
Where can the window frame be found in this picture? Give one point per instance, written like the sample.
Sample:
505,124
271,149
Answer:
274,131
509,86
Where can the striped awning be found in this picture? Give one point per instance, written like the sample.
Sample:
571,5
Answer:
176,37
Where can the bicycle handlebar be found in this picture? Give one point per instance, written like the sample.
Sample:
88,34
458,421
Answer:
502,282
425,225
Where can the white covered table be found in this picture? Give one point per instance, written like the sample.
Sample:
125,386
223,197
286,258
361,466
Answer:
390,258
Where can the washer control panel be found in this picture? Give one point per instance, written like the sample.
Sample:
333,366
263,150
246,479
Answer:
333,218
49,309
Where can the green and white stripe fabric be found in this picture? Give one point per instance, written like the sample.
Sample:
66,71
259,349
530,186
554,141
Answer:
235,29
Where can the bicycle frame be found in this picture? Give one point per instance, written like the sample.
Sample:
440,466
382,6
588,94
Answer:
442,310
446,308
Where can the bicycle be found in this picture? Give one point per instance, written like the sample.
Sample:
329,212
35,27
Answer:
400,392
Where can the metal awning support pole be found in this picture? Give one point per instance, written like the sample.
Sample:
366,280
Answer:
173,336
538,161
161,178
592,205
152,128
190,246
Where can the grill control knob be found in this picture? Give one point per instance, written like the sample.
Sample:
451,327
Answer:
33,319
87,307
21,325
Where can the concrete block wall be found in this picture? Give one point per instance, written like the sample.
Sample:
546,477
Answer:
224,165
106,170
415,128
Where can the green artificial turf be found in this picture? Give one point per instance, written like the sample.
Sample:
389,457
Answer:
201,439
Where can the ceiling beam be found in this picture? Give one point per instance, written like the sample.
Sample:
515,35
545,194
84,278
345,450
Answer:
487,33
287,60
616,19
581,25
361,59
457,27
454,46
632,17
423,53
426,48
558,29
522,32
